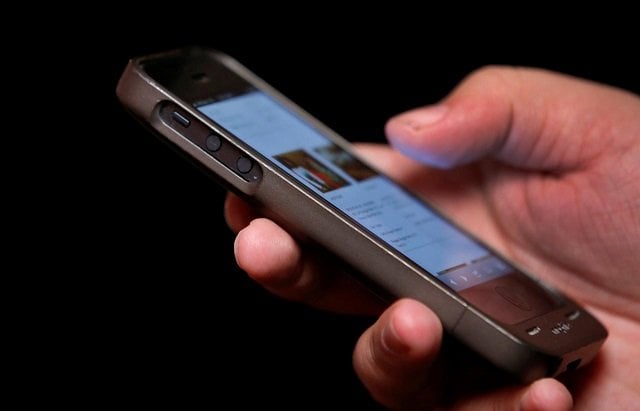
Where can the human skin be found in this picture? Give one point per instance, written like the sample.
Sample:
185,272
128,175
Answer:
543,167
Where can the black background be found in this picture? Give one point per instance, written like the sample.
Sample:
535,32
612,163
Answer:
172,319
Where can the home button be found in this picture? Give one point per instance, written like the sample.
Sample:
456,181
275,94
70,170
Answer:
514,297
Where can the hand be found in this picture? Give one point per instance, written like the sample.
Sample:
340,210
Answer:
543,167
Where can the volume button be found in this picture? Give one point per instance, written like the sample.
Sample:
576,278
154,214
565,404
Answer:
244,164
213,143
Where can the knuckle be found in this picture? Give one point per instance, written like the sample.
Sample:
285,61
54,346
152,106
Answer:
497,79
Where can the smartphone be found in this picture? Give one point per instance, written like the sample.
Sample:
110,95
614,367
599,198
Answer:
265,148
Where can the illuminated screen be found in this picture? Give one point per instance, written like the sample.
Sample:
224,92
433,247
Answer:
374,201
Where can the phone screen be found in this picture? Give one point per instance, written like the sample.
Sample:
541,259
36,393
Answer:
391,213
371,199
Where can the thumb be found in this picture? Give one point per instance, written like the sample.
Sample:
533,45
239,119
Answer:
528,118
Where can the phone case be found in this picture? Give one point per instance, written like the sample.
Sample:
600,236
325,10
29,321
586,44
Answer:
524,349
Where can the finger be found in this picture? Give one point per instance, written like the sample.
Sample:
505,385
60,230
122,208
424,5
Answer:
237,212
274,259
543,395
524,117
392,357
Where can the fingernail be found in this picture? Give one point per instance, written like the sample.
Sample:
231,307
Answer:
390,340
418,119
